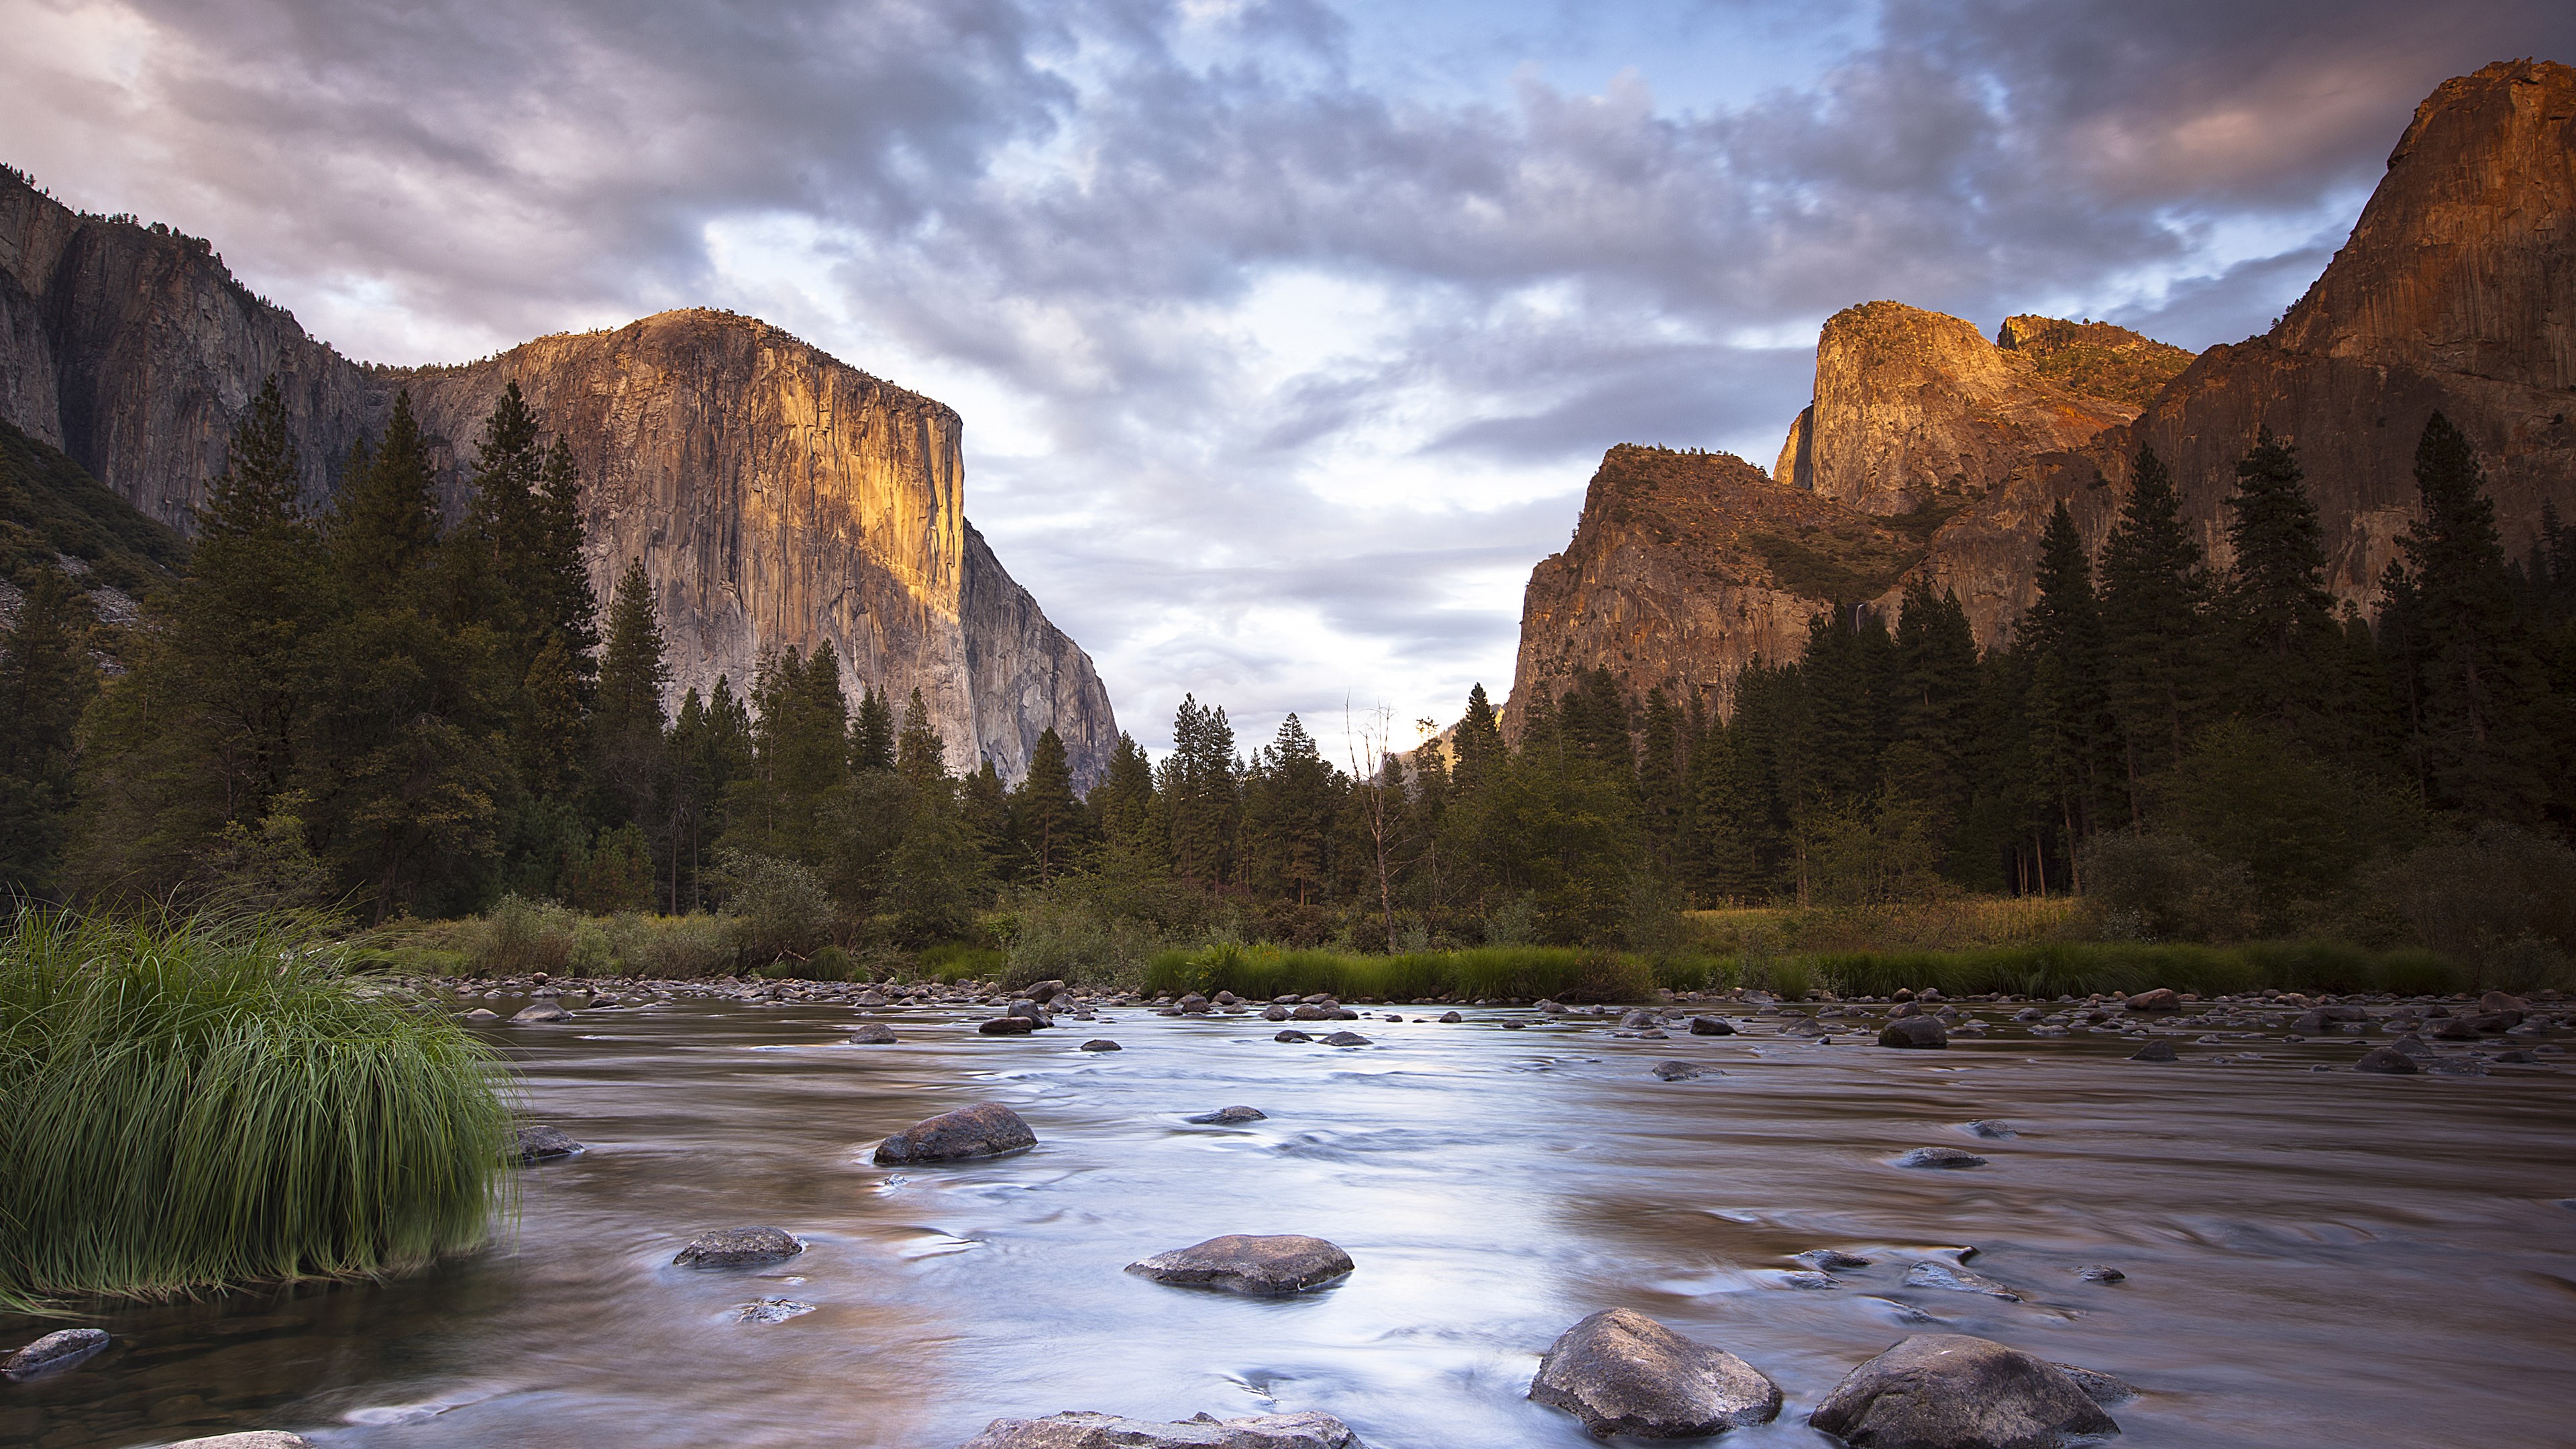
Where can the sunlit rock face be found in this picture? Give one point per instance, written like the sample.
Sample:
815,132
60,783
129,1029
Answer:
1931,453
777,497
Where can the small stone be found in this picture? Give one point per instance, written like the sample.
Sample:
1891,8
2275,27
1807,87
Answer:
1102,1044
1451,1018
538,1011
1007,1026
2100,1273
739,1248
1231,1114
1109,1431
1621,1372
1293,1034
1711,1026
1951,1391
1949,1157
1346,1038
1679,1071
2458,1067
1271,1266
537,1142
1830,1259
1992,1129
1809,1279
1914,1031
771,1310
60,1349
987,1129
871,1033
2158,1050
2386,1061
481,1014
1957,1280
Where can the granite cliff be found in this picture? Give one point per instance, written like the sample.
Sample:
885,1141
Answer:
1931,453
777,496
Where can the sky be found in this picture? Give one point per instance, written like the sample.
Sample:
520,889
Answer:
1287,335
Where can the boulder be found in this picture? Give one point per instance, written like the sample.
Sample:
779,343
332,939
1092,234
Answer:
1311,1011
1680,1071
1046,991
1071,1430
1241,1263
1711,1026
739,1248
1951,1391
1102,1044
871,1033
2386,1061
987,1129
1007,1026
1621,1372
2452,1028
2502,1001
1939,1157
1914,1031
2158,1050
1274,1013
481,1014
1231,1114
1293,1034
1030,1011
536,1142
254,1439
1451,1018
1346,1038
59,1349
536,1011
2163,998
1957,1280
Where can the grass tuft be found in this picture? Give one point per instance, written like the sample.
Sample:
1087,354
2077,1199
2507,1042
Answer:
197,1104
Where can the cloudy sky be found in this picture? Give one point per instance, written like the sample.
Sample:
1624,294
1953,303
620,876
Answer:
1287,334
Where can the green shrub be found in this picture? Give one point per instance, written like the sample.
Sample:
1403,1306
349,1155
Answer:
519,936
777,908
198,1104
670,948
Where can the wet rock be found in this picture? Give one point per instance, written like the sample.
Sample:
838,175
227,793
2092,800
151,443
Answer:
1989,1128
1946,1157
1231,1114
58,1350
2098,1386
1621,1372
2163,998
2386,1061
1451,1018
871,1033
1275,1013
1914,1031
1046,991
1637,1020
771,1310
1109,1431
1830,1259
1102,1044
2451,1028
1951,1391
1678,1071
253,1439
1957,1280
1346,1038
536,1142
2159,1050
1711,1026
481,1014
987,1129
1311,1011
2502,1001
739,1248
2101,1273
869,998
2457,1067
1032,1012
537,1011
1293,1034
1810,1279
1270,1266
1007,1026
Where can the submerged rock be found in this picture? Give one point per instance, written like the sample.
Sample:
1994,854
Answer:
2386,1061
1451,1018
1346,1038
1102,1044
987,1129
871,1033
1007,1026
1678,1071
481,1014
536,1142
771,1310
1230,1114
1269,1266
537,1011
1621,1372
59,1349
1990,1129
1711,1026
1109,1431
1828,1259
1914,1031
1293,1034
1952,1391
2101,1273
1957,1280
739,1248
2098,1386
1950,1157
2156,1051
253,1439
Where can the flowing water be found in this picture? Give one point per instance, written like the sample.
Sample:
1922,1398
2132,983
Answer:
2312,1258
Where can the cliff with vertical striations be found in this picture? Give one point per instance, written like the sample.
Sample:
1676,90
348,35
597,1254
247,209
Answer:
777,497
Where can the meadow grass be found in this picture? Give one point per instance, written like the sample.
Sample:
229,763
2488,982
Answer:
194,1104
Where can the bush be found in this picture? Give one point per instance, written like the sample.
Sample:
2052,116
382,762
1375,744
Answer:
200,1104
828,963
670,948
776,908
2164,887
2471,897
519,936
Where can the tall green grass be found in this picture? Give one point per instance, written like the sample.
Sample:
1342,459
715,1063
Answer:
193,1104
2079,968
1526,972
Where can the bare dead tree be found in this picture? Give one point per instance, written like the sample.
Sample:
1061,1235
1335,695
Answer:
1365,737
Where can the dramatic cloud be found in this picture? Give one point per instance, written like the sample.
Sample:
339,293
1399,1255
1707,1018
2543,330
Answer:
1286,333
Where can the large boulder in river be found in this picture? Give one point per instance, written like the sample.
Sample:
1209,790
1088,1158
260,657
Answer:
1711,1026
537,1142
739,1248
59,1349
542,1011
2163,998
1914,1031
1952,1391
872,1033
987,1129
1240,1263
1109,1431
1621,1372
1008,1026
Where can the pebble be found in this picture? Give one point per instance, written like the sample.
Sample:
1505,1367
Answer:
1829,1259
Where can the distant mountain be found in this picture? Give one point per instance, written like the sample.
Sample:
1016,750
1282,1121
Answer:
777,496
54,515
1930,452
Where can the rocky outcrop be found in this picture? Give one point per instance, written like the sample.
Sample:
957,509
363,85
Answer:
778,497
1931,454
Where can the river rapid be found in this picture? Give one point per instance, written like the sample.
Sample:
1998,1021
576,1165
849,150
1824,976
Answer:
2311,1257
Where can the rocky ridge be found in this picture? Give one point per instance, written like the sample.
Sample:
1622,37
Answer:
776,496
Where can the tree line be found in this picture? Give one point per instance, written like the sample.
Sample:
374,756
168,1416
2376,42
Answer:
366,706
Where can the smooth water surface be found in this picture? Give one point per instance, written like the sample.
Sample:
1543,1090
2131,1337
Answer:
2313,1258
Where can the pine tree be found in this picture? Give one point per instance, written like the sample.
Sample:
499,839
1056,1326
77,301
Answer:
46,678
921,756
2156,597
872,732
2277,602
1047,822
1202,801
385,528
1122,806
2061,635
1289,806
1478,742
1660,767
627,724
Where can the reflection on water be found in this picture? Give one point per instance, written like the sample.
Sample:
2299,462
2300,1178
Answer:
2311,1258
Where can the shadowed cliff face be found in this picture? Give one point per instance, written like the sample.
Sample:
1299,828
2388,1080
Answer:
777,497
2457,292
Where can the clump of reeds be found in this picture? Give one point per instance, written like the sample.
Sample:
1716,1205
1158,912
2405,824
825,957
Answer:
194,1104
